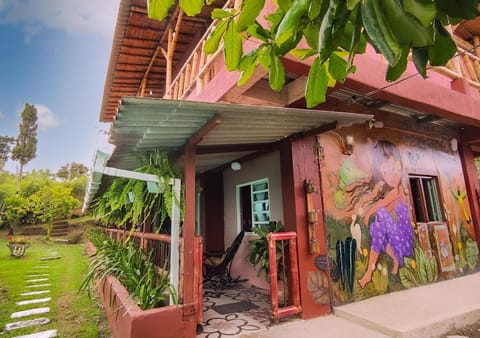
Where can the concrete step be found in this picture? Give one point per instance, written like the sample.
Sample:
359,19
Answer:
42,334
59,234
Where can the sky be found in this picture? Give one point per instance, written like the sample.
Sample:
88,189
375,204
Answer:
54,54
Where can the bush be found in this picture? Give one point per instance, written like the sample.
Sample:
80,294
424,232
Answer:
132,267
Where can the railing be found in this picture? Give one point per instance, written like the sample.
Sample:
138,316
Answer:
289,275
158,244
198,70
466,64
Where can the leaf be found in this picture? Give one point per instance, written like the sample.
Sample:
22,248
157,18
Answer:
219,13
337,67
443,48
158,9
257,31
379,31
420,59
303,53
393,73
311,33
352,3
290,21
316,89
424,11
331,28
407,277
250,10
284,4
232,46
191,7
315,9
247,66
213,40
276,72
406,28
465,9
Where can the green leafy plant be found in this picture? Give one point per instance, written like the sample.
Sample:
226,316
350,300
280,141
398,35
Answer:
129,201
258,249
418,270
335,31
133,268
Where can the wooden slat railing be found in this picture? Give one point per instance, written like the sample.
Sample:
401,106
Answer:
198,69
466,64
158,244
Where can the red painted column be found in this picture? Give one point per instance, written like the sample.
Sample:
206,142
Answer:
471,181
299,163
189,233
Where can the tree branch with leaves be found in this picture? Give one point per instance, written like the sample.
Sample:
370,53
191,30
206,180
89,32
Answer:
335,31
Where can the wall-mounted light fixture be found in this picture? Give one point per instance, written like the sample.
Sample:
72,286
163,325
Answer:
375,124
236,166
454,144
348,145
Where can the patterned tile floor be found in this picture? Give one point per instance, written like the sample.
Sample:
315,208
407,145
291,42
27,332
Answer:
232,324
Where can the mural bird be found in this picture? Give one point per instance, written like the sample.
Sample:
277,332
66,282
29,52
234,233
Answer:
460,197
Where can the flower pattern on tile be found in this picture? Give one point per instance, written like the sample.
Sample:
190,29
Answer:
230,325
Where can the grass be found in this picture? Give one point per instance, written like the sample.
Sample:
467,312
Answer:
73,314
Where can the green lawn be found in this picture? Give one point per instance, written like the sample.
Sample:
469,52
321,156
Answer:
73,314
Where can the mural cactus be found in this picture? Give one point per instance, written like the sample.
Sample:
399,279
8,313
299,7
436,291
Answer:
346,253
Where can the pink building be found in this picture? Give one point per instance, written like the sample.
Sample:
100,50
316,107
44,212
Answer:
379,181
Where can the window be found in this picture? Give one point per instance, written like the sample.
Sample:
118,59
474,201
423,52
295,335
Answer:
426,198
254,204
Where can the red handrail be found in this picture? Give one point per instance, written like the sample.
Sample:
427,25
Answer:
293,281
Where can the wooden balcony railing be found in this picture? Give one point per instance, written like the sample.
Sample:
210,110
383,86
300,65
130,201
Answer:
198,70
466,64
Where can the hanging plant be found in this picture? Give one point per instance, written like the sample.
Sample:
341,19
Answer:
130,201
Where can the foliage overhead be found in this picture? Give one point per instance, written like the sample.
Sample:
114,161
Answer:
335,31
25,148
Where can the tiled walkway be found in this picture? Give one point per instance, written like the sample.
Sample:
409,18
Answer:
240,309
33,302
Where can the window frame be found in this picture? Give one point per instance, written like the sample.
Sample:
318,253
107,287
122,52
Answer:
253,202
428,205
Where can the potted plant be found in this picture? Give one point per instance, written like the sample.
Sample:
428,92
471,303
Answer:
258,254
18,245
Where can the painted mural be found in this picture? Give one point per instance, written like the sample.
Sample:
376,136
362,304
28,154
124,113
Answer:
371,201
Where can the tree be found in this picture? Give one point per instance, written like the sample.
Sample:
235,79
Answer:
5,149
72,171
335,31
25,148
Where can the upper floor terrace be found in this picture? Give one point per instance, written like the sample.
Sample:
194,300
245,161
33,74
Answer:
166,60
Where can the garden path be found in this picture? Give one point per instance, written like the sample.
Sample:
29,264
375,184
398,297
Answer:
37,284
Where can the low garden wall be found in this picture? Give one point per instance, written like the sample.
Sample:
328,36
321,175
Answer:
127,320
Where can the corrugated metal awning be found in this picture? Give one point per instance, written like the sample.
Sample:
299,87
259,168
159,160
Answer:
145,124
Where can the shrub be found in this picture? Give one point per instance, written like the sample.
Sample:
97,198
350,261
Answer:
132,267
